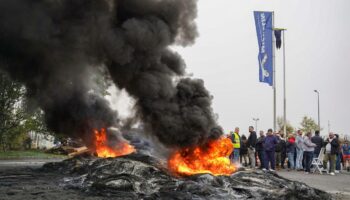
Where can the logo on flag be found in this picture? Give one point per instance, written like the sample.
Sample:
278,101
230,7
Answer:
263,23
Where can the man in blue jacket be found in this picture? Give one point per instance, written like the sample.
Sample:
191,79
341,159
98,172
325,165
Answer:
269,148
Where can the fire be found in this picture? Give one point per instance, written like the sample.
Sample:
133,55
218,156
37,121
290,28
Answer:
211,158
104,151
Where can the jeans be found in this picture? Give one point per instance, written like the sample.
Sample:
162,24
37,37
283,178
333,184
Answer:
338,161
308,159
291,160
331,158
304,161
251,153
261,158
299,161
234,157
269,158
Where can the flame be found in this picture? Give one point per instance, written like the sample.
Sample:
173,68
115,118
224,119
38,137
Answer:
105,151
211,158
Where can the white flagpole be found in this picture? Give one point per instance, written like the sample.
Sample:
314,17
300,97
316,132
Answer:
284,85
274,72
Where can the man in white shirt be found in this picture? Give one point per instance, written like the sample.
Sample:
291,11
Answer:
331,149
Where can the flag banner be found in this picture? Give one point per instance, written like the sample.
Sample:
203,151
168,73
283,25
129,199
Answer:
264,26
278,36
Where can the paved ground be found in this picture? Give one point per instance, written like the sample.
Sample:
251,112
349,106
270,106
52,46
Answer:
338,184
26,162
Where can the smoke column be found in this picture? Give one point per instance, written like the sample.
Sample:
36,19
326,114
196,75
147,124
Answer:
55,47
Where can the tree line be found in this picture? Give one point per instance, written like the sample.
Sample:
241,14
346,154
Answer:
15,120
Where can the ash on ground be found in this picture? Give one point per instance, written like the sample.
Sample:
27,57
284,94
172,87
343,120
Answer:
139,176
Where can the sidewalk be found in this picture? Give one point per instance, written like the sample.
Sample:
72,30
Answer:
338,184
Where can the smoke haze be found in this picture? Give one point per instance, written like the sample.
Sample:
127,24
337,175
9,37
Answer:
56,47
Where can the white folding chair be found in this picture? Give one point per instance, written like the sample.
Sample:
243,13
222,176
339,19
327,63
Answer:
317,162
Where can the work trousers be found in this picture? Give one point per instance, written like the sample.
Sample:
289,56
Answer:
331,158
278,158
261,158
251,153
269,158
283,158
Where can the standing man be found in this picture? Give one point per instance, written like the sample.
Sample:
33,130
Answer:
331,145
251,146
278,151
269,147
309,149
283,151
259,147
299,143
316,139
236,142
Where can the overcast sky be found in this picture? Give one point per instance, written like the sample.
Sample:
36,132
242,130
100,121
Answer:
317,57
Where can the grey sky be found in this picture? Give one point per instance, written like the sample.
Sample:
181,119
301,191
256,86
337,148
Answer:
318,57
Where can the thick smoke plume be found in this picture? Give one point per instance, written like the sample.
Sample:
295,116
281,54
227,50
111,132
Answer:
55,47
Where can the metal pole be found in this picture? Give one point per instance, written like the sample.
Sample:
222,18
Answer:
318,105
319,124
284,85
256,123
274,73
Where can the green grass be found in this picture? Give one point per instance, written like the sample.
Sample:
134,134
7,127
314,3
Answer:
28,154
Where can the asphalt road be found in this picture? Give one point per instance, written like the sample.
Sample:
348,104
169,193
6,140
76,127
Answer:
338,184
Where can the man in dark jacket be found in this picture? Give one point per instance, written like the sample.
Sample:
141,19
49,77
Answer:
319,143
331,144
251,146
259,147
269,150
278,151
283,151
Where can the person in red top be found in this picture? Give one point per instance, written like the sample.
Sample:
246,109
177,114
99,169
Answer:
290,151
346,155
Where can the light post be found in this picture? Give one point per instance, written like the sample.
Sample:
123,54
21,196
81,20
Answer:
318,102
256,123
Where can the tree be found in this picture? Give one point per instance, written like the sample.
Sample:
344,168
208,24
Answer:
280,124
11,110
308,125
15,121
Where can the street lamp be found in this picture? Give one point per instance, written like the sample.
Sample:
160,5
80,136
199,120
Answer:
318,101
256,123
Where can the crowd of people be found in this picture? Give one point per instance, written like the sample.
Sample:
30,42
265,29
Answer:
295,151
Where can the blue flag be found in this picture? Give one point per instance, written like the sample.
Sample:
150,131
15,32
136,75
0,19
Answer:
264,26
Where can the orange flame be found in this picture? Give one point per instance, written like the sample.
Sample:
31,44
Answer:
104,151
211,158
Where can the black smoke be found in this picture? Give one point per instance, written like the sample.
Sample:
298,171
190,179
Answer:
55,47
